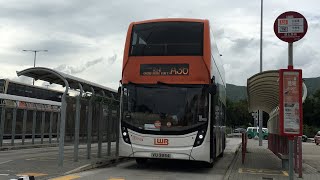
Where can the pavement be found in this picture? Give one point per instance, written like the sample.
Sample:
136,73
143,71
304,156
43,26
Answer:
43,162
261,163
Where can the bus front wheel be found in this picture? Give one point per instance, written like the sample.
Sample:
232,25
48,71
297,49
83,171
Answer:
249,136
221,154
141,161
209,164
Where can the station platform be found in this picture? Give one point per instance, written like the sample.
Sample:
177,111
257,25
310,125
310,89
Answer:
260,163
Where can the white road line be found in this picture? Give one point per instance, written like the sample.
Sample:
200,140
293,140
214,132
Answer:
4,174
5,162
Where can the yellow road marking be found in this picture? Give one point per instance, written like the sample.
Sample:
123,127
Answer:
116,179
285,173
263,171
69,177
32,174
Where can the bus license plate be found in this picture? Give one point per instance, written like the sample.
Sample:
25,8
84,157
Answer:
160,155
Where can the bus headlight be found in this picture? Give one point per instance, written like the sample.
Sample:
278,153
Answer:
200,138
125,135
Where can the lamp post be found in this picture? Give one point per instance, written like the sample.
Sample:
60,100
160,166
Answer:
261,40
35,56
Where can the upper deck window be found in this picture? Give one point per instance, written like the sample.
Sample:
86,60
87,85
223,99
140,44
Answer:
167,39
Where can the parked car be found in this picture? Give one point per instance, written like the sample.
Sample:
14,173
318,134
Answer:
304,138
254,131
317,138
239,130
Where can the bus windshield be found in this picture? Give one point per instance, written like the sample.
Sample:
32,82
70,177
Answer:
167,39
165,107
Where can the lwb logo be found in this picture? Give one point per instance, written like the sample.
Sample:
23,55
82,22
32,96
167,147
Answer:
161,141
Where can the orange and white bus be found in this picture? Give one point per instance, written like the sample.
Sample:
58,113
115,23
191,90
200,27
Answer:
173,92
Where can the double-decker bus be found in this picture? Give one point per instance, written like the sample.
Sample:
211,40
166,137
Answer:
173,92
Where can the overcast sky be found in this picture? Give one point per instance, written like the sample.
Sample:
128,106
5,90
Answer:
86,38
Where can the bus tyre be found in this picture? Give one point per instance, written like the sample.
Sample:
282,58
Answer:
141,161
221,154
209,164
265,137
249,136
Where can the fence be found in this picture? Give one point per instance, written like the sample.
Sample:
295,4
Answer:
27,123
40,124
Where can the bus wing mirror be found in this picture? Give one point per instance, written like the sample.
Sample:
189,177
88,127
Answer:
119,90
212,89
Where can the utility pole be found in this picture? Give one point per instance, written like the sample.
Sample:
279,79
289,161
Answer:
35,56
260,111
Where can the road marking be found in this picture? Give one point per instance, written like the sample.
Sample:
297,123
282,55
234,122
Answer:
41,159
5,162
69,177
4,174
32,174
263,171
116,179
285,173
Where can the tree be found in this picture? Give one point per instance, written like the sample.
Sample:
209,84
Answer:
238,114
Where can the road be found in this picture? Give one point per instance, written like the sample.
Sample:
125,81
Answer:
165,169
311,155
43,163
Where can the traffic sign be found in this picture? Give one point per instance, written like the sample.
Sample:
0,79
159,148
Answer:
290,26
290,102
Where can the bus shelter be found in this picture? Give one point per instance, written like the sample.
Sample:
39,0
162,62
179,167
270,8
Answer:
83,86
263,94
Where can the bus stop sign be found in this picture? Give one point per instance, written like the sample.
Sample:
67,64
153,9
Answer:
290,26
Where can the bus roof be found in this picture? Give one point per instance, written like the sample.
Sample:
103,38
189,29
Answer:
171,20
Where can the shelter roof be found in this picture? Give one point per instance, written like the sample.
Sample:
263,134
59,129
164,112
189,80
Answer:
56,77
263,91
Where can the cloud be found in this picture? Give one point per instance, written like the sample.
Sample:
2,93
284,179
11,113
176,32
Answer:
78,68
76,32
112,59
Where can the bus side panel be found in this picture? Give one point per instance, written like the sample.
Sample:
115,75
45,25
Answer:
219,103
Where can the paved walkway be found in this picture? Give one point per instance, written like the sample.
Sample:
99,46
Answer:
261,163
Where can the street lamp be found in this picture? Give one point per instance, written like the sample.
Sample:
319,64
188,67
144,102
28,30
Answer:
260,112
35,56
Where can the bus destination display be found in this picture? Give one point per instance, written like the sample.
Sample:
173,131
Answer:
164,69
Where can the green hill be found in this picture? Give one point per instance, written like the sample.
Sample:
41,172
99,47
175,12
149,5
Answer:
236,93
